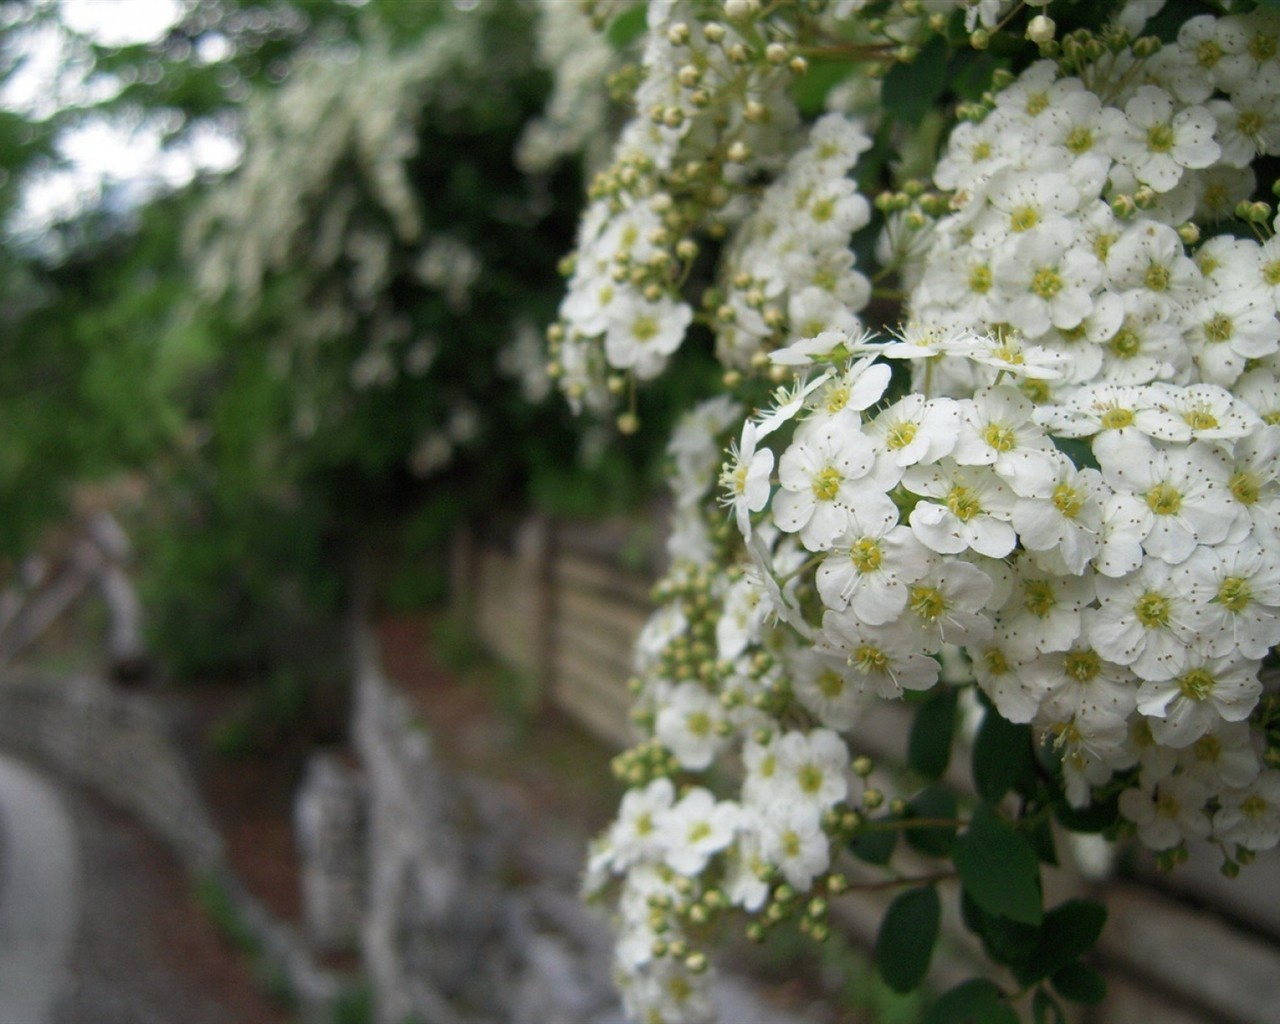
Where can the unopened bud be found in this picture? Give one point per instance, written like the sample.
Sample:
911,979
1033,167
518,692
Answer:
776,53
1146,46
628,423
1040,29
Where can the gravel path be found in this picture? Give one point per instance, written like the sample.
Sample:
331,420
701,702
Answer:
141,949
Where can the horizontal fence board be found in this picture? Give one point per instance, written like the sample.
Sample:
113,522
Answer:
613,625
601,577
1192,954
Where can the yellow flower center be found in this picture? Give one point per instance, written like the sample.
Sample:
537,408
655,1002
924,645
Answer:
1245,487
1082,666
1271,272
963,503
980,279
901,434
1196,684
1079,140
1000,437
1037,103
1152,610
698,723
1023,218
810,779
644,328
1160,138
1157,277
1208,53
1235,593
826,484
1254,807
1067,500
1115,418
1200,419
1040,599
866,659
837,398
1046,283
830,684
1249,123
1207,748
1164,500
1126,344
1262,47
1218,328
866,555
927,602
995,661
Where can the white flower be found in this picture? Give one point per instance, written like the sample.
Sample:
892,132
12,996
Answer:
746,606
1204,692
688,724
1250,816
997,430
822,477
946,605
1065,527
1080,686
1043,613
1159,143
1167,811
696,828
1223,756
1145,620
641,335
793,841
916,430
812,767
974,511
635,836
1047,280
882,659
824,690
1230,327
869,567
745,477
1184,488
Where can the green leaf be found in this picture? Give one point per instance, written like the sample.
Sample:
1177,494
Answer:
976,1001
1045,1009
874,846
1080,983
1078,450
1097,817
910,90
1003,757
934,802
999,868
929,747
1069,931
1005,941
907,936
628,25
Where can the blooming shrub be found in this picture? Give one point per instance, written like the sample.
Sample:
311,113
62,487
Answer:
1006,433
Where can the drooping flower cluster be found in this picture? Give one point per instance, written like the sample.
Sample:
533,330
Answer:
1060,476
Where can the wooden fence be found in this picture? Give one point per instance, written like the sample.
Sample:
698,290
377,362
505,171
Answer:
554,601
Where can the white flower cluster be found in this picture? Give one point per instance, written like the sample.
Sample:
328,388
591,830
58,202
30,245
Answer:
1075,496
677,167
789,273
